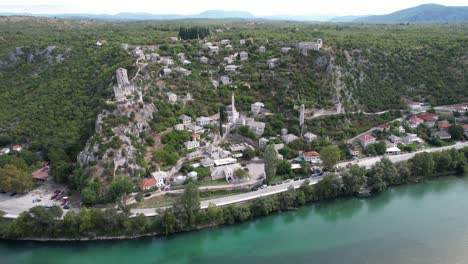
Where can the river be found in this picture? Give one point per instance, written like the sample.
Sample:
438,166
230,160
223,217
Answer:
423,223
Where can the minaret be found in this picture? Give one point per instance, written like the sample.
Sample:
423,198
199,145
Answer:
301,118
235,114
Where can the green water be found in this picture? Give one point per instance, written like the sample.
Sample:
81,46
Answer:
425,223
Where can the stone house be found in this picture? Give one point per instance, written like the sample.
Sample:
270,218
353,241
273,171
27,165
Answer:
171,97
256,107
366,140
257,127
309,137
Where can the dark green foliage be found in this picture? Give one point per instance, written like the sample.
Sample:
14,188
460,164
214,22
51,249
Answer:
193,32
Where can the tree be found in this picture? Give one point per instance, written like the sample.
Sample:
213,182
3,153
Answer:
305,168
139,197
380,147
353,179
457,132
283,168
241,174
214,213
169,222
13,179
422,164
270,161
119,186
330,156
86,222
248,154
189,204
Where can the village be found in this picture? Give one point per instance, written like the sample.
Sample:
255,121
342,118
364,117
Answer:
225,151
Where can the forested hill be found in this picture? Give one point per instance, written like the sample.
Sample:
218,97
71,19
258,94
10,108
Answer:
428,13
51,100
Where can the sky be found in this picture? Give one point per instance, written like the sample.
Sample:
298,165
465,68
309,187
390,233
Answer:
187,7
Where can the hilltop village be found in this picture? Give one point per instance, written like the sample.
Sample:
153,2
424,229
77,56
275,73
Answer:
196,111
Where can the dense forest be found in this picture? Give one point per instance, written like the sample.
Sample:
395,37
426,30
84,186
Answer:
54,79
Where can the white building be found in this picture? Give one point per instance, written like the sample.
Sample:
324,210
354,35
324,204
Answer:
160,177
257,127
167,61
182,71
312,157
204,60
309,137
179,127
231,68
224,172
285,49
225,42
171,97
224,80
288,138
256,107
366,140
262,142
242,42
207,162
243,56
415,106
166,71
186,120
4,151
261,49
204,121
272,63
191,145
194,155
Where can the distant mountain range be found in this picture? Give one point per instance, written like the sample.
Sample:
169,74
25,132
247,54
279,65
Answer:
427,13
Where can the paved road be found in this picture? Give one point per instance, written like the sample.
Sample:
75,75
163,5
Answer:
238,197
368,162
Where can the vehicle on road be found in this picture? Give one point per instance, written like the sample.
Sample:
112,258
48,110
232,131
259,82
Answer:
147,194
263,186
13,194
66,206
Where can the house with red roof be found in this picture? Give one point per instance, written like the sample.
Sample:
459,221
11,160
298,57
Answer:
147,184
366,140
311,156
17,148
383,128
465,127
195,137
428,118
41,174
414,121
443,125
414,106
353,150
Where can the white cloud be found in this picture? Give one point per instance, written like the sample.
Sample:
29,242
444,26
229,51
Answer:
262,7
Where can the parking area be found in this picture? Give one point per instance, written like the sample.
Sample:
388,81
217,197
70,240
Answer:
14,205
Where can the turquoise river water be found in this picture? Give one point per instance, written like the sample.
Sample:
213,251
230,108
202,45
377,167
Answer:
424,223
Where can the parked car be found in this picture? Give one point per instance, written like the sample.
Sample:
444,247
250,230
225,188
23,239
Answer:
13,194
64,202
147,194
263,186
66,206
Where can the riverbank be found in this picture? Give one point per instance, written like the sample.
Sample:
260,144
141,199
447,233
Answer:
415,224
91,224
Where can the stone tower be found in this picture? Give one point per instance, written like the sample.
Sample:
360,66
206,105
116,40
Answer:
234,113
122,77
123,87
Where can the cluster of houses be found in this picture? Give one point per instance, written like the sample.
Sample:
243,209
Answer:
8,150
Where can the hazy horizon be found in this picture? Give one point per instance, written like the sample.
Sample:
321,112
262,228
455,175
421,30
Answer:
190,7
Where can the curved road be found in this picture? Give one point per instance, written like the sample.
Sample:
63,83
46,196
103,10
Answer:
368,162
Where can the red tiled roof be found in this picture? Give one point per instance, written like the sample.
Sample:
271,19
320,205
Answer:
443,124
428,117
414,103
384,126
147,183
415,120
311,154
41,174
366,138
195,135
16,147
